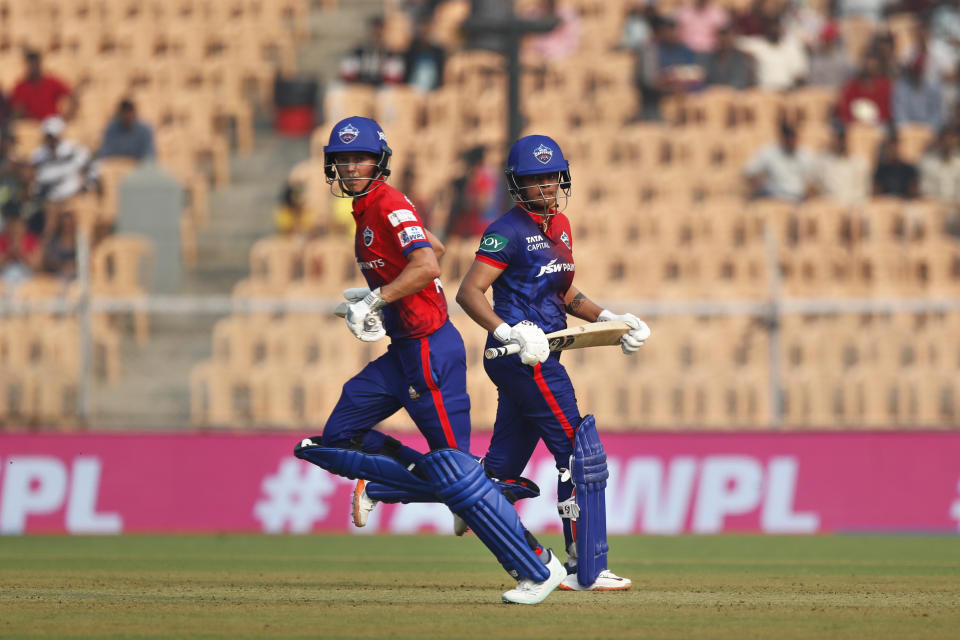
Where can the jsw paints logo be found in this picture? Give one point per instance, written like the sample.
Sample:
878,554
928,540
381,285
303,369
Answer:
554,267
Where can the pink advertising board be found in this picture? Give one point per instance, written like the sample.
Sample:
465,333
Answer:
661,483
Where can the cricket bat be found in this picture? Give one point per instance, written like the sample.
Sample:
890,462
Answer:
594,334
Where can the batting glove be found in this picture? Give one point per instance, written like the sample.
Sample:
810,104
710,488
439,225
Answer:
356,294
363,316
633,339
533,343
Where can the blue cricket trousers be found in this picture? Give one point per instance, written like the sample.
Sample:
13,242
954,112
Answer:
533,403
426,376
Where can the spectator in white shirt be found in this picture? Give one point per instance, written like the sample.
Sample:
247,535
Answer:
940,170
842,177
60,166
782,171
781,60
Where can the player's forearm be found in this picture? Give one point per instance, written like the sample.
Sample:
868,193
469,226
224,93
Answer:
475,304
580,306
413,278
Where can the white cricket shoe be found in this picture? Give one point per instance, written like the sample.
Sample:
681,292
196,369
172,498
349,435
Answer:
530,592
362,503
606,581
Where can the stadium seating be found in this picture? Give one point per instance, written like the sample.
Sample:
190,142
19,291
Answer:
658,213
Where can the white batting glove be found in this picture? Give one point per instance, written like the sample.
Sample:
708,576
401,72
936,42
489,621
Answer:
356,294
533,343
502,333
363,317
633,339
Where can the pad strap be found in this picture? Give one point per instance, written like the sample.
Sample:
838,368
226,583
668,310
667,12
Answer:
513,489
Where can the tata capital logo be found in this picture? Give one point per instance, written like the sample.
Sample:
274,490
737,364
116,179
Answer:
367,237
348,134
543,154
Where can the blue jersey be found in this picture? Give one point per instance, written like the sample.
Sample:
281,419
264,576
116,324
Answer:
537,267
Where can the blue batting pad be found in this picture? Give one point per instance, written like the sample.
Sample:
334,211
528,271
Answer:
589,473
512,488
461,483
351,463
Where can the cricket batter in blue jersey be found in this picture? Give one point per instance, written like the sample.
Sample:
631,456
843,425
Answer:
527,256
423,372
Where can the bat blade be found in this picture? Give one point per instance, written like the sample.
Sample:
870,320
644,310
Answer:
594,334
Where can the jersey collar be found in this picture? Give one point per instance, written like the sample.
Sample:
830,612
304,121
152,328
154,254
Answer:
538,217
362,203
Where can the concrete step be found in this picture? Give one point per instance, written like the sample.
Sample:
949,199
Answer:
153,391
334,33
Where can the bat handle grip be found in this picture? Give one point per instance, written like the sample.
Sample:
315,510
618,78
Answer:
505,350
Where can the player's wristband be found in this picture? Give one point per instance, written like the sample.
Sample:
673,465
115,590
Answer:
374,300
502,333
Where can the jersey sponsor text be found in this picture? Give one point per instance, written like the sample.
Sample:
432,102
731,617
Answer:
371,264
554,267
493,242
400,216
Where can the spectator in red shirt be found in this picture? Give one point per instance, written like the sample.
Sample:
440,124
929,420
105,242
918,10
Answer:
20,251
38,95
475,196
866,98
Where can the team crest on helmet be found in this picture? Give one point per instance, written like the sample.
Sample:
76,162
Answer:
367,237
565,239
543,154
348,134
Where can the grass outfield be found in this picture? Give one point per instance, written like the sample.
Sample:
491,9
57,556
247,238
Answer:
444,587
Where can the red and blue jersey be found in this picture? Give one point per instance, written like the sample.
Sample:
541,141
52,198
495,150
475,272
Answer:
388,229
537,267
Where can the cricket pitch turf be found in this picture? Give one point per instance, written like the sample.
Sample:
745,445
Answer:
235,586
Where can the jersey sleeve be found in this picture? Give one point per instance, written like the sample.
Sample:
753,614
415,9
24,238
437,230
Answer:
407,228
497,246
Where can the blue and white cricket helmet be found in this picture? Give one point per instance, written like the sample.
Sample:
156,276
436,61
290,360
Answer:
535,155
357,133
531,155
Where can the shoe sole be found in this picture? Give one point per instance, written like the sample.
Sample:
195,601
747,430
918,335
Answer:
361,485
564,587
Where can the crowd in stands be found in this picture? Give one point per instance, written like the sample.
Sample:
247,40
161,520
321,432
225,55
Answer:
785,45
38,226
885,79
373,62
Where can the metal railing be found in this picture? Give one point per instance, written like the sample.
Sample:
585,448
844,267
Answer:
770,312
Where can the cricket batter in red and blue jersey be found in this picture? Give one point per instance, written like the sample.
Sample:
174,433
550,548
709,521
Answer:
526,255
423,372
